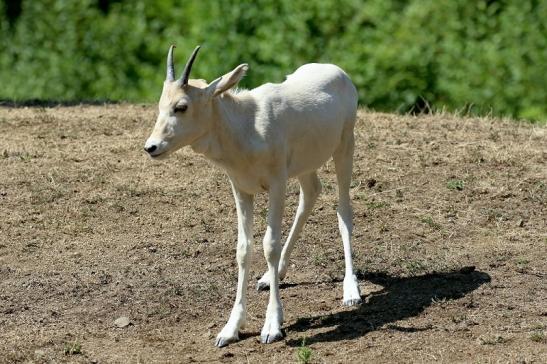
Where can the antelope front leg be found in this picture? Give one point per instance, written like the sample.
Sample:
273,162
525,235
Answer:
310,188
272,250
238,317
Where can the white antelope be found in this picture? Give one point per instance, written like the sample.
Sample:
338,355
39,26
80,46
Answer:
261,138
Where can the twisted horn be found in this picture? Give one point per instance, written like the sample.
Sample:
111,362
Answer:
170,67
188,67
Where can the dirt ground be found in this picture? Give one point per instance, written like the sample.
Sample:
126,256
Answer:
450,244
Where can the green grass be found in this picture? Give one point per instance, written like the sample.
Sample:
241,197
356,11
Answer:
522,262
304,353
72,348
428,220
455,184
414,267
538,337
320,259
375,205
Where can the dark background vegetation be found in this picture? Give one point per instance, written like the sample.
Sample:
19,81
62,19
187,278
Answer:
486,56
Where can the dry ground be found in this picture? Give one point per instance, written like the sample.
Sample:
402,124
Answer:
450,244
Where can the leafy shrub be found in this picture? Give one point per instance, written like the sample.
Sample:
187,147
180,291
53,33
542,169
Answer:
404,55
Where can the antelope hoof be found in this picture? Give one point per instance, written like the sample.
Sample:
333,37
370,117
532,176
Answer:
352,296
353,302
223,341
263,283
271,337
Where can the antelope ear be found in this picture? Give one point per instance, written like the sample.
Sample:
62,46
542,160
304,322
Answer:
227,81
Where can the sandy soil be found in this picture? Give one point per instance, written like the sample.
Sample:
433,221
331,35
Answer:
450,246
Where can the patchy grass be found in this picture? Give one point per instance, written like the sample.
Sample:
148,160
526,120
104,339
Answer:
522,263
449,244
455,184
428,220
304,354
414,267
492,340
72,348
373,205
538,337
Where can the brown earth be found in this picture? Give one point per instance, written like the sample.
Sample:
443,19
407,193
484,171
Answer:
450,244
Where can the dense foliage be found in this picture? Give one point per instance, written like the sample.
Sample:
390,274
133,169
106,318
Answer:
482,55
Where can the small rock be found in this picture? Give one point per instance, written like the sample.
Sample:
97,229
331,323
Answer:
39,354
520,223
122,322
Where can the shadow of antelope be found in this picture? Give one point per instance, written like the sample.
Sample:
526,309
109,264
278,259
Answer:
400,298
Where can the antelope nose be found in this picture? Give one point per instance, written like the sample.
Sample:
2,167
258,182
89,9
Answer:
151,148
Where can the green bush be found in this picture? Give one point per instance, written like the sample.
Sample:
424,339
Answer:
483,56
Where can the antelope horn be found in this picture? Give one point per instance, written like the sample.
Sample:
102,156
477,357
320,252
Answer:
170,67
188,67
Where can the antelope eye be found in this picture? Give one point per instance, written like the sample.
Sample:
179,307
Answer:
181,108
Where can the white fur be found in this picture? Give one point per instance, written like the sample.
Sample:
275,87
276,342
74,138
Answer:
262,137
